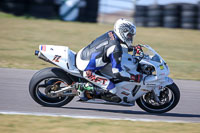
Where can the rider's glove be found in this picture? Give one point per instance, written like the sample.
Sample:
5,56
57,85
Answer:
136,78
138,49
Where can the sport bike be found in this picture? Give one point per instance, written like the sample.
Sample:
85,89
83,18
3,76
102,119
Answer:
57,86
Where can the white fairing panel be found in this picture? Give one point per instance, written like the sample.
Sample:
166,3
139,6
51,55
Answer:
61,56
128,63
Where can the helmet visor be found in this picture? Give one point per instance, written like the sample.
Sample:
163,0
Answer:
129,37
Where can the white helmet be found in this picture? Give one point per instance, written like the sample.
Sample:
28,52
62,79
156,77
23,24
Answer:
125,30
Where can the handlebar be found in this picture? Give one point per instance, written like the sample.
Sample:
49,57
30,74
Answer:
140,57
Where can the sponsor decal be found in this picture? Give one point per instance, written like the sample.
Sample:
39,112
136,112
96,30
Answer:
125,88
161,67
56,58
43,47
162,74
125,93
95,78
145,90
111,35
151,84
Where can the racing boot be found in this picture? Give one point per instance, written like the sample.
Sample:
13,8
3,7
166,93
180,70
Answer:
111,96
82,95
85,91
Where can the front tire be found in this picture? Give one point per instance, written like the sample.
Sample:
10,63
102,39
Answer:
172,95
44,79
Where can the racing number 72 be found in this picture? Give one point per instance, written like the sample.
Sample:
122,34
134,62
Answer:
56,58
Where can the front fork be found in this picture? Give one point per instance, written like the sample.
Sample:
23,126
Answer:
158,88
156,93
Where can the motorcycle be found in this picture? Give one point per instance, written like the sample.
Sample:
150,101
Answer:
57,86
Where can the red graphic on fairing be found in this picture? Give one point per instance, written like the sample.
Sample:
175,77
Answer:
95,78
125,93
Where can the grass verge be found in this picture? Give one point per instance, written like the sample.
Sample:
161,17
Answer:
19,37
43,124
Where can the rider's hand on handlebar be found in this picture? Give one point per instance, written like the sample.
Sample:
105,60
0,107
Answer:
138,49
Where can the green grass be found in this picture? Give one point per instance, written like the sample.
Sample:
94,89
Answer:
43,124
20,36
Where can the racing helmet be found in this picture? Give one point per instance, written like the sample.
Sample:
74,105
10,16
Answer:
125,30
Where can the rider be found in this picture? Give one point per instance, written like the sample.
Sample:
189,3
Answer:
108,49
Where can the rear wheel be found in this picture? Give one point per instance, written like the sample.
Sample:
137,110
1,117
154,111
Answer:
47,80
169,98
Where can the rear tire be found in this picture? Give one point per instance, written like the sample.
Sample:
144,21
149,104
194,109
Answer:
172,102
51,75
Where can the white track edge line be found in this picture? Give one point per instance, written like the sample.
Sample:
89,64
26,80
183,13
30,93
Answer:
92,117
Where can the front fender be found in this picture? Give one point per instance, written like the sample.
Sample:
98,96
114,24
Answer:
167,81
153,81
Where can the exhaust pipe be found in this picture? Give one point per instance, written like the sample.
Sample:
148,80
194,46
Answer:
41,56
37,52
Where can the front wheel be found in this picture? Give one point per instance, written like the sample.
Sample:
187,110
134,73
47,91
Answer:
169,98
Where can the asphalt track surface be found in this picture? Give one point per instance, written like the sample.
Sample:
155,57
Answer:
14,97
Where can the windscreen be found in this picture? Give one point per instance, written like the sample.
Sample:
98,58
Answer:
150,54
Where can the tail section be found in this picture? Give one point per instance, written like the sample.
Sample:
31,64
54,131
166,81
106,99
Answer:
60,56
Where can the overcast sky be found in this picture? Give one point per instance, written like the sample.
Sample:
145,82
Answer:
105,5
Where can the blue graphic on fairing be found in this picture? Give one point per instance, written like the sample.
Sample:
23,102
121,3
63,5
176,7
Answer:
110,86
92,64
114,63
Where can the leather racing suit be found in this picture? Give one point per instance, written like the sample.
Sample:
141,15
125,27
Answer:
105,49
